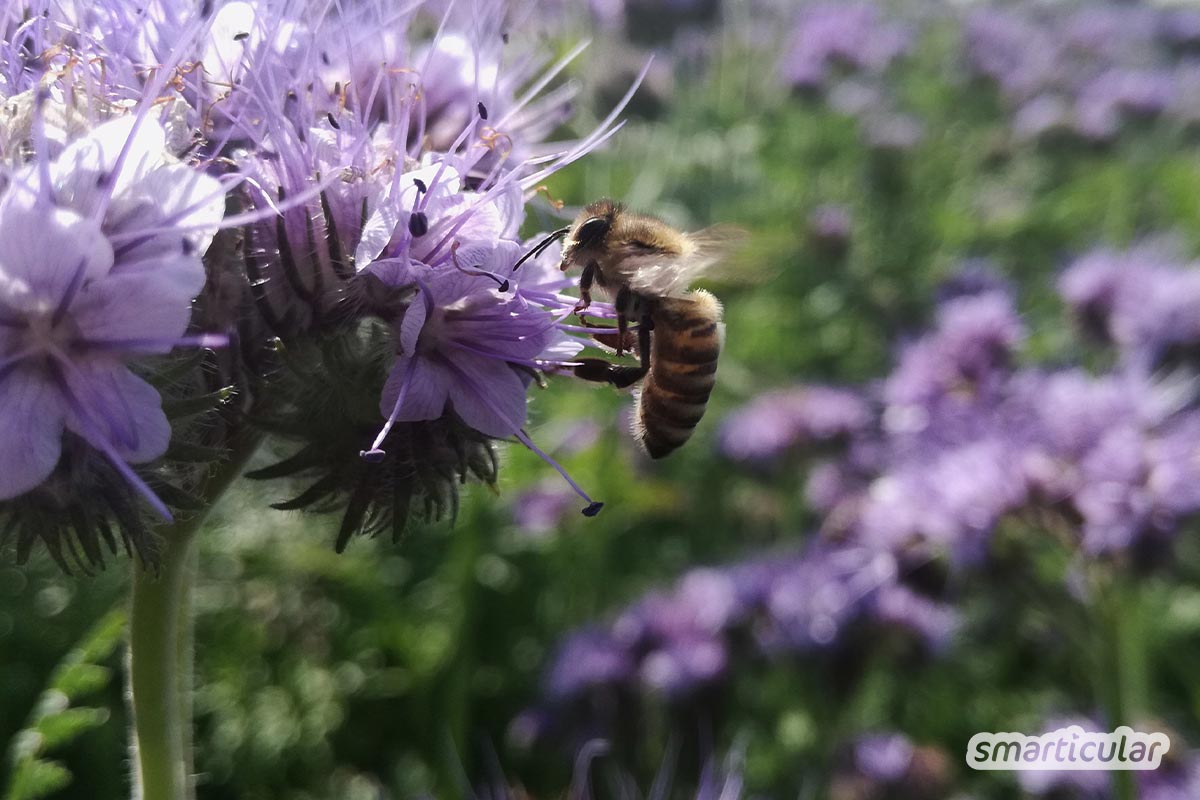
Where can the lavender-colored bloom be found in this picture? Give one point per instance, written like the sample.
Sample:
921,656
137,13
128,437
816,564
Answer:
1109,32
1105,100
811,603
1178,779
127,223
883,756
778,421
1180,26
1087,785
830,225
968,352
1016,51
590,658
682,665
934,623
1141,299
543,508
1173,467
459,346
1043,115
828,35
974,277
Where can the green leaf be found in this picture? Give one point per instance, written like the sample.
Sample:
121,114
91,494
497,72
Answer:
61,728
74,680
34,779
54,722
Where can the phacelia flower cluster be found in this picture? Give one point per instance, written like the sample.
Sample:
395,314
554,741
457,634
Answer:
1087,68
913,475
336,197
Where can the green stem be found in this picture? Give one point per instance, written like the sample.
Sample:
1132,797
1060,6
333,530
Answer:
161,650
1123,665
161,703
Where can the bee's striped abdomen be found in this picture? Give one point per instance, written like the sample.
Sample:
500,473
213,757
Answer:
688,334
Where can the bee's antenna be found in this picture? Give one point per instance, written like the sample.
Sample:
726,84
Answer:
541,246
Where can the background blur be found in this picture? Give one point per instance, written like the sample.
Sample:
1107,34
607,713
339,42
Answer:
971,232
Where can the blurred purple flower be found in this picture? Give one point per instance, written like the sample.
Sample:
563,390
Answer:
1086,785
973,277
779,421
541,509
830,226
1104,101
934,623
1141,299
968,353
588,659
829,35
1013,49
883,756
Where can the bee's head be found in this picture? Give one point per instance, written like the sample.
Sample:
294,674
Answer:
590,231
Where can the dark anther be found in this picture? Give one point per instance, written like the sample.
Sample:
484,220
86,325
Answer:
593,509
420,184
482,111
241,37
372,456
418,224
325,58
504,37
332,121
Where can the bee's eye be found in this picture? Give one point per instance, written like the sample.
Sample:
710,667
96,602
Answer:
592,232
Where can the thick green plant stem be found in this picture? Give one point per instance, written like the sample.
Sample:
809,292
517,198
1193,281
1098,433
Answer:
160,663
159,684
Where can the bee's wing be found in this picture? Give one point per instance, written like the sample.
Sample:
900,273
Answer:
707,255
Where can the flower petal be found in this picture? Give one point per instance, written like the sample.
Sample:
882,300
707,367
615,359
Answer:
123,412
31,428
487,394
44,248
136,307
172,195
426,392
74,174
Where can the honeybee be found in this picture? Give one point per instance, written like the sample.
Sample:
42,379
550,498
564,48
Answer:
645,266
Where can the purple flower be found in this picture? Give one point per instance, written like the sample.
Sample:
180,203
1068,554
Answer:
460,345
1087,785
1141,299
1177,779
825,590
830,226
778,421
1016,51
1105,100
967,353
840,34
100,264
883,756
588,659
542,508
934,623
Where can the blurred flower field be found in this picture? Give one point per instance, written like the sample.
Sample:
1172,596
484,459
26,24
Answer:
948,480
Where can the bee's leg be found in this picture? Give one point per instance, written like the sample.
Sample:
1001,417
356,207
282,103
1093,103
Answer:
585,288
623,301
601,371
